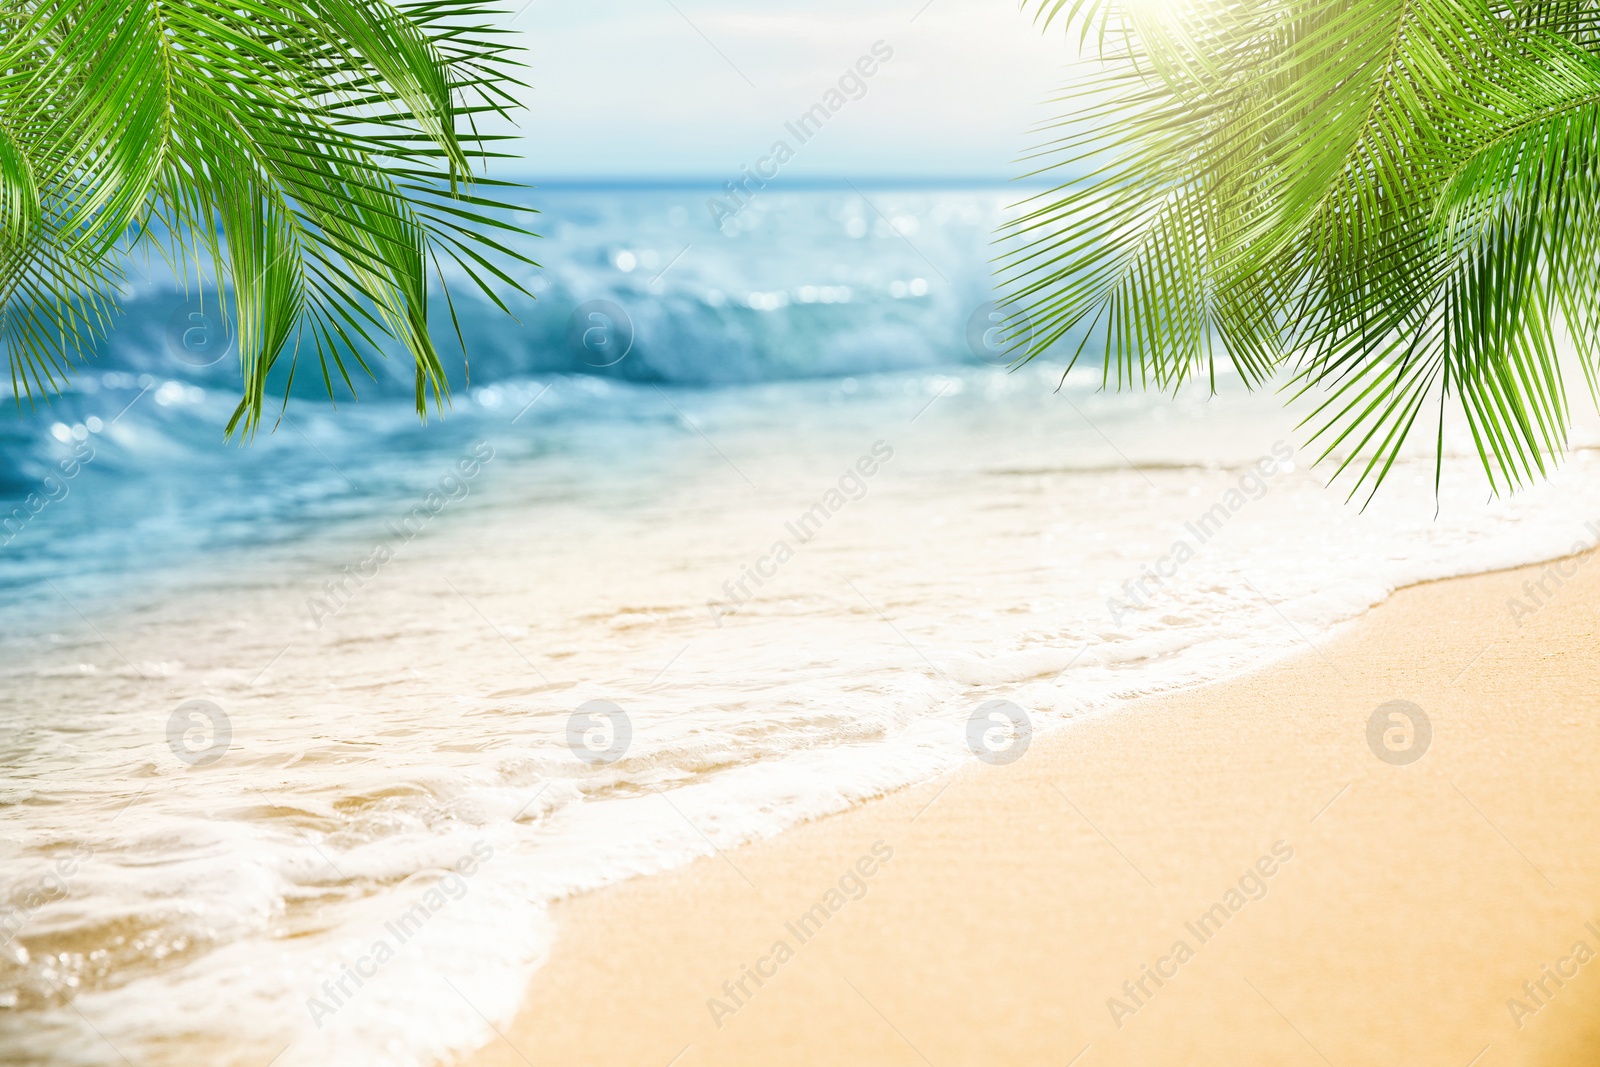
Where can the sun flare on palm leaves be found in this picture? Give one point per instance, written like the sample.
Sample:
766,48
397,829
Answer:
1396,201
315,157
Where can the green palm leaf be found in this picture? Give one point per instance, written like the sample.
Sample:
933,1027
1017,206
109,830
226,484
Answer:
1395,201
315,158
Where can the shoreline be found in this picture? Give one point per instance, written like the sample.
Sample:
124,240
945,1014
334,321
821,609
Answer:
1133,891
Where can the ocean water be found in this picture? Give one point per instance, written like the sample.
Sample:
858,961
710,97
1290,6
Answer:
301,739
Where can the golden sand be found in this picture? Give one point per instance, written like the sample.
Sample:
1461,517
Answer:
1332,907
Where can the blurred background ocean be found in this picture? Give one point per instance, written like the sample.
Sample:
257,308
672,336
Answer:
821,283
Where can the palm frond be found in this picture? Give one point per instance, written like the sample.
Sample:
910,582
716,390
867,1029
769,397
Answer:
315,158
1398,201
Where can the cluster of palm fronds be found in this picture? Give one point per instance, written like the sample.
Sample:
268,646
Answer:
313,157
1398,200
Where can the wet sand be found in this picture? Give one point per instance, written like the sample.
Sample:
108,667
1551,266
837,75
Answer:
1225,875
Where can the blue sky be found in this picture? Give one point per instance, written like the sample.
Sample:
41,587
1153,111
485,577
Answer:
697,88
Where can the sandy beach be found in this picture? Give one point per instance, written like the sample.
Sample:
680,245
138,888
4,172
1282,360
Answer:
1225,875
